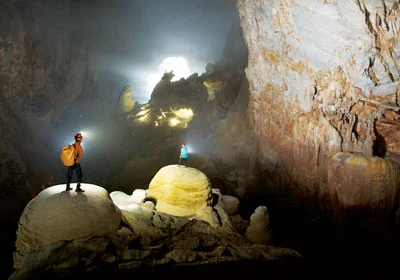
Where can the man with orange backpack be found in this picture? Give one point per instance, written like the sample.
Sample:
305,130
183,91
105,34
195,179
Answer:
78,154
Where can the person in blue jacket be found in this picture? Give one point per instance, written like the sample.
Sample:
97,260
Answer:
184,155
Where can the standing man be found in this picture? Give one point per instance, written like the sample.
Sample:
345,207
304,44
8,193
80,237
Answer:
184,155
78,154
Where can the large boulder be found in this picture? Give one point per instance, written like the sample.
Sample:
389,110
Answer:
56,215
361,183
180,191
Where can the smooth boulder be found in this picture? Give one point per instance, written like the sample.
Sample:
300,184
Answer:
56,215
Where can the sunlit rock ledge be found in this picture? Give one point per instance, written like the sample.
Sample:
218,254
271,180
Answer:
60,230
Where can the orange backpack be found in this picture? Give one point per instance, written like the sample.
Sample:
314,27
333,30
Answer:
67,155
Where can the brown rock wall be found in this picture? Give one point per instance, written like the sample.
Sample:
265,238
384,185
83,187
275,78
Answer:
322,80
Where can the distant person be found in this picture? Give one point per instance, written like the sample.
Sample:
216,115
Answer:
183,155
77,166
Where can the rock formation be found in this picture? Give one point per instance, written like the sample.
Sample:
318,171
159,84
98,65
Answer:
57,215
364,184
125,101
259,230
180,191
65,233
324,79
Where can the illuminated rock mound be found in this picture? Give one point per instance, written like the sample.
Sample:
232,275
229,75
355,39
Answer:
180,191
360,182
56,215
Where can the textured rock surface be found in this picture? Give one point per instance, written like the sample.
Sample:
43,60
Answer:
259,230
324,78
56,215
125,101
363,182
180,191
52,245
230,204
120,254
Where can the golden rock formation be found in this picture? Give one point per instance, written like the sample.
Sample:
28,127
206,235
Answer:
180,191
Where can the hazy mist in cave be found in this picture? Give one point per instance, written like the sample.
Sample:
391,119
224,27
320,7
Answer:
132,38
128,42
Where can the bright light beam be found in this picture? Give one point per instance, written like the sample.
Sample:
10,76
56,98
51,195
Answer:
178,65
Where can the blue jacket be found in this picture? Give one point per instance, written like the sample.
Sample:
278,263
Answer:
184,152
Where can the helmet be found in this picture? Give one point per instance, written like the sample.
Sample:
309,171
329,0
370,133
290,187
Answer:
78,136
183,144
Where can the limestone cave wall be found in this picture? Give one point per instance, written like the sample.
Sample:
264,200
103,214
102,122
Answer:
324,80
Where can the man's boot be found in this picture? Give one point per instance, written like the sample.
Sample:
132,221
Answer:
78,188
68,188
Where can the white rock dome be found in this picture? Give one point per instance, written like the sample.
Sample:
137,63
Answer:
55,215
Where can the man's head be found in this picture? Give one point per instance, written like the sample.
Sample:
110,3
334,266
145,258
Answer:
183,144
78,137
